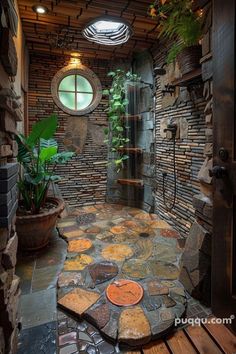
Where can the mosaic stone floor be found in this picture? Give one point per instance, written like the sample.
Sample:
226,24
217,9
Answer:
107,243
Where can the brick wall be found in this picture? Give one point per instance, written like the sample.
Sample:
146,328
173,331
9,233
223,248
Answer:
85,176
188,104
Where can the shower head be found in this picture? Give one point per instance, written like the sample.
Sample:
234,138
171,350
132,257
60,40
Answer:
159,71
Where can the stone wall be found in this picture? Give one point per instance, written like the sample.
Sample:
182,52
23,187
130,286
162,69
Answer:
196,262
11,117
184,106
85,176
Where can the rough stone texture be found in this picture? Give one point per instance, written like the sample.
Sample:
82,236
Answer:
117,252
156,288
203,174
78,263
70,279
136,268
99,314
196,261
79,245
76,134
103,271
78,300
134,328
164,270
9,254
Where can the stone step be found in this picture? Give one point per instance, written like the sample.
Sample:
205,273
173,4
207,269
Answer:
131,150
131,182
136,117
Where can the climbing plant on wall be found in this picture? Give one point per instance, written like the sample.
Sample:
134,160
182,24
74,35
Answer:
116,138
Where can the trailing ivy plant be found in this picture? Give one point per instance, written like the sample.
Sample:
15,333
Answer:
116,138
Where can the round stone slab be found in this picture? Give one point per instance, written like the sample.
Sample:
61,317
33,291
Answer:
124,292
103,271
136,268
80,245
117,252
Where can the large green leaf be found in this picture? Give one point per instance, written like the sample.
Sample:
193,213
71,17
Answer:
62,157
24,156
47,143
44,129
47,153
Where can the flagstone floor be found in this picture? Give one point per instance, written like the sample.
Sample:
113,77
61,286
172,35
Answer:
110,245
102,245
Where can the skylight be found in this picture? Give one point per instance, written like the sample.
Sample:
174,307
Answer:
108,31
107,26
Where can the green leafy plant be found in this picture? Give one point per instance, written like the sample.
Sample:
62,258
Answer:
115,134
177,22
38,155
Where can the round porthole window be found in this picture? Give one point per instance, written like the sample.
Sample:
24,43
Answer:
77,91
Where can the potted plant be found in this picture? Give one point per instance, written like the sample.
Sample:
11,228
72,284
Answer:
116,136
38,155
179,23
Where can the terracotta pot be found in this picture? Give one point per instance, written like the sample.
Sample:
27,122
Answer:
34,231
189,59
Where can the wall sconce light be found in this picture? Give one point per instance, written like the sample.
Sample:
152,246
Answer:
75,59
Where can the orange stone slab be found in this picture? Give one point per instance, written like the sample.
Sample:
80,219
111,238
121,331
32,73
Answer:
79,300
134,328
124,292
117,252
79,245
78,263
118,229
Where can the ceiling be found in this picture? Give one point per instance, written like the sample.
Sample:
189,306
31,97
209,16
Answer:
59,31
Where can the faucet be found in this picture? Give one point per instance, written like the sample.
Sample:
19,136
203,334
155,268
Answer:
171,128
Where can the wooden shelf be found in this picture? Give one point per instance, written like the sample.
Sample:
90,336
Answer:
136,117
131,182
188,79
130,150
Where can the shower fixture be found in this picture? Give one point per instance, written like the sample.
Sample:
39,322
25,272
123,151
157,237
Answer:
171,127
159,70
169,89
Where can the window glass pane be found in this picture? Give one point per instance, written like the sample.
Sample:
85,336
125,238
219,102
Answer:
83,85
83,100
67,84
68,99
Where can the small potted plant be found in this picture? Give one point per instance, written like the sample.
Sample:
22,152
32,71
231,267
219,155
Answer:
179,23
37,213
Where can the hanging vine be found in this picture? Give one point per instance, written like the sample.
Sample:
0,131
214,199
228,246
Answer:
116,138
